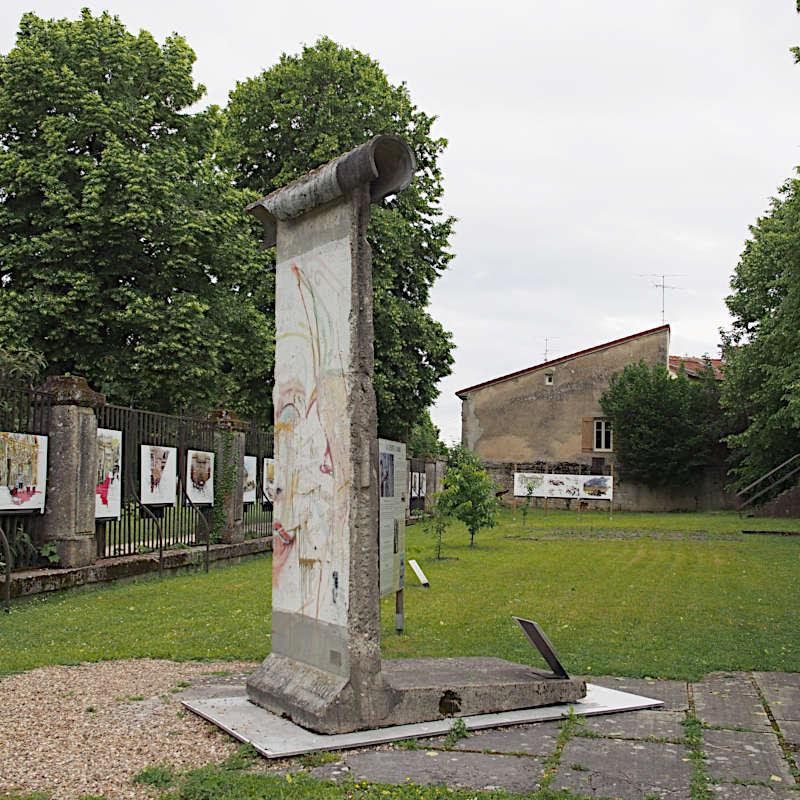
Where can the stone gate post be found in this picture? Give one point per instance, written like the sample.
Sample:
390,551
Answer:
71,469
229,457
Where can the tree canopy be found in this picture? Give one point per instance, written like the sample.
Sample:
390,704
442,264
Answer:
761,394
665,427
124,256
310,108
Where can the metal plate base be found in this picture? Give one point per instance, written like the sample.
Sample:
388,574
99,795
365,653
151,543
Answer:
275,737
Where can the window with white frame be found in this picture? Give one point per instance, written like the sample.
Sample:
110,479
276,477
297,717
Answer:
603,438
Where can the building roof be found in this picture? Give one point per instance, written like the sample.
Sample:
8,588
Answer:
561,360
696,366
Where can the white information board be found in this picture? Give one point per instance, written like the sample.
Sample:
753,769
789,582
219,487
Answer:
554,485
392,469
200,477
159,475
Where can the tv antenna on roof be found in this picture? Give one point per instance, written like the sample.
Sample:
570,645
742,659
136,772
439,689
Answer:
662,284
547,340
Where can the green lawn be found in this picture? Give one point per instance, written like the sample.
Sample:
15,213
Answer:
668,595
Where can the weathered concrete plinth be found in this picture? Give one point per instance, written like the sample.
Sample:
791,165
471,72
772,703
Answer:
409,690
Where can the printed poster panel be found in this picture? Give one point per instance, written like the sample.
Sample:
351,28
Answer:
159,475
108,490
597,487
200,477
415,484
387,474
23,471
250,470
268,481
392,458
423,484
554,485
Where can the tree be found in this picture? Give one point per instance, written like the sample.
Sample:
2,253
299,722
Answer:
467,493
761,394
308,109
124,255
423,439
664,427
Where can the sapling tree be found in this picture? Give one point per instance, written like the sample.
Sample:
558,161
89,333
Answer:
437,522
467,494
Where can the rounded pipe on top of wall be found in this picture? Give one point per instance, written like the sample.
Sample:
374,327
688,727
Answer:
385,162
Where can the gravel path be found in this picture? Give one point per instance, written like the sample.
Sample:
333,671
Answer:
89,729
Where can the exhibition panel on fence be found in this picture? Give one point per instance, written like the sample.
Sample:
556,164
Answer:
554,485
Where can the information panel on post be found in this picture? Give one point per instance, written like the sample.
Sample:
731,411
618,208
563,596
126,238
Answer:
392,483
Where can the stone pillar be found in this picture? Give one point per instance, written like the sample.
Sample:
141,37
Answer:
71,469
229,472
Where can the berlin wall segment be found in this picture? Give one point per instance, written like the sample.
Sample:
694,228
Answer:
324,670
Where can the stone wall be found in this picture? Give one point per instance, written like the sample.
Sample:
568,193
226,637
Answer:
706,493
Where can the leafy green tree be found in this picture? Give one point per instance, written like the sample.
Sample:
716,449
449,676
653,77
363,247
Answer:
308,109
20,366
665,427
423,439
467,493
124,256
761,394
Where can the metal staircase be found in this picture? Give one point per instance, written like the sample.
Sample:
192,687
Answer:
747,496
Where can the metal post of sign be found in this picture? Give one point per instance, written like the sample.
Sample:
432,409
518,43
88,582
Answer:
399,614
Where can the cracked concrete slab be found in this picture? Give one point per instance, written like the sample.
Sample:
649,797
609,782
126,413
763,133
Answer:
674,694
432,767
791,732
730,701
745,757
734,791
623,769
782,692
637,725
540,739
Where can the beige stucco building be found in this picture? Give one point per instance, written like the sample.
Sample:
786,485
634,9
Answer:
551,412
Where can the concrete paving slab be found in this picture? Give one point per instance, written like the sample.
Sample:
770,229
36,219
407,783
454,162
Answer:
735,791
622,769
746,757
638,725
782,692
674,694
730,703
539,739
791,732
728,683
276,737
433,767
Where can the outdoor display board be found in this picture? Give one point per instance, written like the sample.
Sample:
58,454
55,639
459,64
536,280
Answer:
392,462
250,475
200,477
554,485
159,475
108,490
23,471
268,481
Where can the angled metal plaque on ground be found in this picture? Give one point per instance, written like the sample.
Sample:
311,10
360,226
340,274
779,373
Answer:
537,638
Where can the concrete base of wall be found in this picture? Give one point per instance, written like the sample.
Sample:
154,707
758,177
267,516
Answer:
29,583
407,691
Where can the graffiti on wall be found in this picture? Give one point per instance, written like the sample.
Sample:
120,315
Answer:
23,471
312,438
108,489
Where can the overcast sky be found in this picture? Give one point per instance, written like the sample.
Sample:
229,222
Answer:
590,143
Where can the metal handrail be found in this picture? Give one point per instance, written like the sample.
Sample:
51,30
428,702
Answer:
7,587
743,504
202,516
